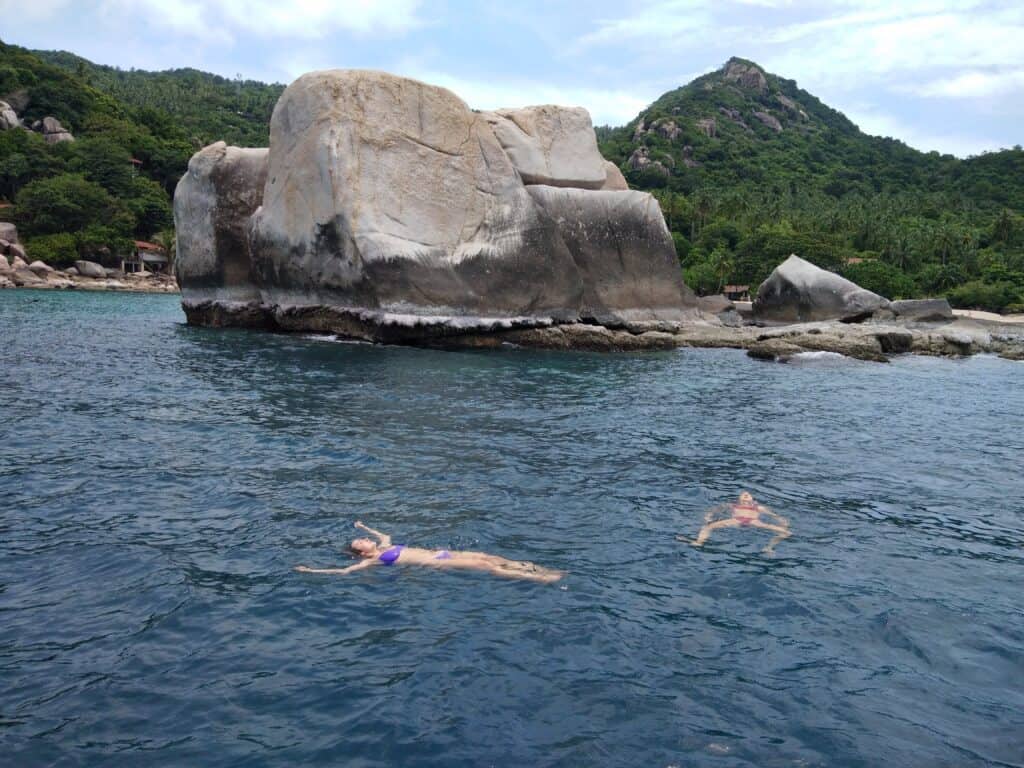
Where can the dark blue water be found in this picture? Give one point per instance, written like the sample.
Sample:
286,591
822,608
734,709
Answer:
159,482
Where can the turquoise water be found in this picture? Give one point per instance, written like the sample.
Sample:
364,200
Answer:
158,483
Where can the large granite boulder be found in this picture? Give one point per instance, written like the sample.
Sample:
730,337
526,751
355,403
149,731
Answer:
8,232
550,145
5,265
614,181
391,211
218,194
798,291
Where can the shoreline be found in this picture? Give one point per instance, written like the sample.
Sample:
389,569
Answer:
970,332
119,284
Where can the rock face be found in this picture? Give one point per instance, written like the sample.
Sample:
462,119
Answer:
8,232
745,75
386,209
770,120
798,291
221,190
550,145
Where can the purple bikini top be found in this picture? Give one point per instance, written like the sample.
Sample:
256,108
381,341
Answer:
390,555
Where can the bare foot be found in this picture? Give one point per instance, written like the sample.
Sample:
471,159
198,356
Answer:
303,568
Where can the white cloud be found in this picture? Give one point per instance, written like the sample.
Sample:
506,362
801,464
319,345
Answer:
971,85
877,123
606,107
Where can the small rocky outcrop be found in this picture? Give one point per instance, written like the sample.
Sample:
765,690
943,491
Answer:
770,120
8,117
550,145
745,75
798,291
41,268
922,310
52,130
5,266
17,262
668,129
8,232
708,127
688,159
90,269
640,160
735,116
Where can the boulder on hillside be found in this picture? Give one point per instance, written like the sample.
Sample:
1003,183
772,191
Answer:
8,232
798,291
17,251
17,262
71,272
8,117
550,145
770,120
25,277
40,268
745,75
53,132
391,211
922,310
614,180
90,269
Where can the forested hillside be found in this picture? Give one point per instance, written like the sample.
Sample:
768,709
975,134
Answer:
133,135
749,168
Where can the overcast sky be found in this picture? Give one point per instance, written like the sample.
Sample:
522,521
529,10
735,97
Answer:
945,76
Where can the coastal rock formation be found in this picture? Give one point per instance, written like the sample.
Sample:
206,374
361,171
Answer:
798,291
386,209
40,268
770,120
550,145
218,194
8,232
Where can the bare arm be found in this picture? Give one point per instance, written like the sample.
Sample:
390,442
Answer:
337,571
385,540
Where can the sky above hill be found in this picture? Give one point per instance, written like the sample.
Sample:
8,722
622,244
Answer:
946,76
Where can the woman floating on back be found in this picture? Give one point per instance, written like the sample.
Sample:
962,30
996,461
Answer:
386,553
745,513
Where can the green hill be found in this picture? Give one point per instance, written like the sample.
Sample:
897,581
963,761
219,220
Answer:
133,135
749,168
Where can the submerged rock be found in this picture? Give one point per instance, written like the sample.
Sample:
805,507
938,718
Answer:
798,291
386,209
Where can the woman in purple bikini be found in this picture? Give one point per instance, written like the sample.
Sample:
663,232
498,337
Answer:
745,513
383,552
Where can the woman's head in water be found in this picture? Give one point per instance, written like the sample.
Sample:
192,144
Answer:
363,547
746,498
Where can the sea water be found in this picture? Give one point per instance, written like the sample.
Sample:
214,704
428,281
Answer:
159,483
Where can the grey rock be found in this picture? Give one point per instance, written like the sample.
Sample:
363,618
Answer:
6,283
715,304
17,251
213,203
8,117
392,212
71,272
5,266
735,116
624,253
90,269
17,262
25,277
54,132
770,120
8,232
40,268
668,129
614,180
745,75
798,291
550,145
922,310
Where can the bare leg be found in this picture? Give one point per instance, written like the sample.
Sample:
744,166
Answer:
705,532
780,534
